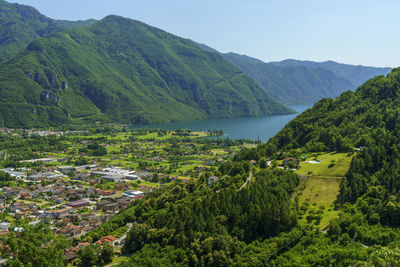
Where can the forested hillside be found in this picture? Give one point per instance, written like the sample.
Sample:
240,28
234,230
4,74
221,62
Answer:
123,70
75,24
292,84
357,75
20,24
302,82
354,119
365,122
199,224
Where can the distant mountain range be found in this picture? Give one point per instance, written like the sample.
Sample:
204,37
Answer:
302,82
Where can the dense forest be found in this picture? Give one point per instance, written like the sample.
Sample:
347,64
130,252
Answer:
365,121
200,223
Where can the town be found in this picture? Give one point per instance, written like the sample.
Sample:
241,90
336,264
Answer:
75,181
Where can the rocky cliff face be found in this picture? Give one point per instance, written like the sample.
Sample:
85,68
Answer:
51,85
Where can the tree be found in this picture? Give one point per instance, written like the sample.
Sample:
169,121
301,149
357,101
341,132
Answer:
107,253
87,256
35,246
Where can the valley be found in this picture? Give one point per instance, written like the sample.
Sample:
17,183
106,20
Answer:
122,144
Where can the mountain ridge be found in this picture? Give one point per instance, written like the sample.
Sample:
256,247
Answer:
302,82
20,24
123,70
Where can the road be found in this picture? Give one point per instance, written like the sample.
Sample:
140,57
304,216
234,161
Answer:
119,240
247,181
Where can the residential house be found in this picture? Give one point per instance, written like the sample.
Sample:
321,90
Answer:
4,226
286,161
107,206
107,239
78,203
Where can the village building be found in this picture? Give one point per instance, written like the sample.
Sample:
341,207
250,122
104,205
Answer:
14,173
56,213
4,226
115,174
134,194
107,206
286,161
107,239
45,176
78,204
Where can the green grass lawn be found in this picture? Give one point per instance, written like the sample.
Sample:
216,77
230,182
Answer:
118,260
40,203
331,165
317,195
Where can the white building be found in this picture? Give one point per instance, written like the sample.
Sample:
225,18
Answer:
4,226
13,173
116,174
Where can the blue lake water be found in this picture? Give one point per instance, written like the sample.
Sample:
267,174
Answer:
254,128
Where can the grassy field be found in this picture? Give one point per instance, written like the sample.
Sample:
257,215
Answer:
318,192
316,197
331,165
118,260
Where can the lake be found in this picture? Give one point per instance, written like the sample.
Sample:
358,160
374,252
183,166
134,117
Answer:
253,128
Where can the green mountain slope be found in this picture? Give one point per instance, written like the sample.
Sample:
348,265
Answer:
368,202
368,119
123,70
20,24
348,121
357,75
292,84
302,82
75,24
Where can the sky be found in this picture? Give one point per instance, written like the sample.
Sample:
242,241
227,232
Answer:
359,32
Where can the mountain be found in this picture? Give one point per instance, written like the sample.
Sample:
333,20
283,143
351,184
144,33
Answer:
123,70
367,119
20,24
357,75
302,82
75,24
348,121
292,84
365,125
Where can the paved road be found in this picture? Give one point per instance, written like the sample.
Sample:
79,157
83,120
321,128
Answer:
119,240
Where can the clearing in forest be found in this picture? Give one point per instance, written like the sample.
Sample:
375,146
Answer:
331,165
317,193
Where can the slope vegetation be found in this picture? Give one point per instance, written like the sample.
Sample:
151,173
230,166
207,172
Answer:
302,82
292,84
123,70
357,75
20,24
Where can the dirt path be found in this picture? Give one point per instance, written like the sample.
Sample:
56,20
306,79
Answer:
247,181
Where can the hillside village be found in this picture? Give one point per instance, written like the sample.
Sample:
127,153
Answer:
91,176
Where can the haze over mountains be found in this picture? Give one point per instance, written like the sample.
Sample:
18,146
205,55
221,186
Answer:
302,82
122,70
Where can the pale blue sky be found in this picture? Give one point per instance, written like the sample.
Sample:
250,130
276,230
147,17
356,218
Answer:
365,32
